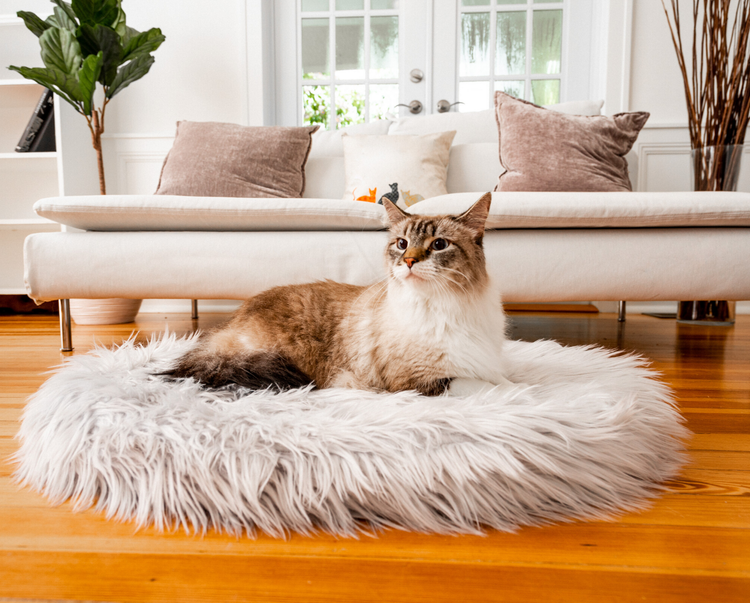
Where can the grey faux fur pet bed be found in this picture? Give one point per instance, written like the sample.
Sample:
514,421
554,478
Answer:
590,435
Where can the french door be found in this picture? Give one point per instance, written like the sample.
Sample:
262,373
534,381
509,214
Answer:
343,62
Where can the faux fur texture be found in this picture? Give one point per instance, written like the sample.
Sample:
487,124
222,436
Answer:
591,435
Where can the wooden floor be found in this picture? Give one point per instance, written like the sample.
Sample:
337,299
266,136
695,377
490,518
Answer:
693,545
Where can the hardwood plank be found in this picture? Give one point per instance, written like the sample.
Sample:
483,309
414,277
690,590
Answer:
125,577
594,543
711,441
720,460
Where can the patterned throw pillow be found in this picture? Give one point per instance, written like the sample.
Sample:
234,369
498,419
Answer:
404,169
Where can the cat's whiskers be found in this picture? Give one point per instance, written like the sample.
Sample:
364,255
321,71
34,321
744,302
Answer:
463,288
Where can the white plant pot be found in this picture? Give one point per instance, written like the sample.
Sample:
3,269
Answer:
113,311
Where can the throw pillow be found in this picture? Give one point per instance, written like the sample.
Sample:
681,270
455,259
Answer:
405,169
542,150
210,159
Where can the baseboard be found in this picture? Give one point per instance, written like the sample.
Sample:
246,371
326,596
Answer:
585,308
176,306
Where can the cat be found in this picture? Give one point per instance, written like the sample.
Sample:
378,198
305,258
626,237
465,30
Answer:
410,199
392,196
369,197
435,324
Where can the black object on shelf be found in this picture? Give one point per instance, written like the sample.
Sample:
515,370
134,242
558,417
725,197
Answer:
39,134
44,141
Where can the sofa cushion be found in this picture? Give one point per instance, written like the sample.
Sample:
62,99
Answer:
600,210
175,212
213,159
477,126
473,167
406,169
542,150
517,210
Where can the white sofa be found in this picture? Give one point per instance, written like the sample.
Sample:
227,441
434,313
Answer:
540,246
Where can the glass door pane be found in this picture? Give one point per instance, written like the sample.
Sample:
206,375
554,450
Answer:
526,42
475,44
361,83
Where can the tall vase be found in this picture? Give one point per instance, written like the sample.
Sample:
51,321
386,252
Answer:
714,168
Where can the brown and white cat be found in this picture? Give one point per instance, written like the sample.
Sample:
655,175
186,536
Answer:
435,323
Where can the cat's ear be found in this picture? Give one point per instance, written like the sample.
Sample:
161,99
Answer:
394,213
475,217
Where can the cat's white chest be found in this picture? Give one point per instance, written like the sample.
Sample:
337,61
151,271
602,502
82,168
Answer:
464,338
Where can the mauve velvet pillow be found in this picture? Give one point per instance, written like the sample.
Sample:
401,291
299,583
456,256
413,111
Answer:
543,150
210,159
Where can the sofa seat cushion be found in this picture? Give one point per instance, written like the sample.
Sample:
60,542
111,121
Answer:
508,211
173,212
600,210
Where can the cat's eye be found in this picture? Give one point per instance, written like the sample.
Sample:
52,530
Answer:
402,244
439,244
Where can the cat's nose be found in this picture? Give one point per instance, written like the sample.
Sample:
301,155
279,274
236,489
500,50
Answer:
410,261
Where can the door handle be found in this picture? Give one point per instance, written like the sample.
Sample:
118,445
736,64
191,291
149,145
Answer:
414,106
444,106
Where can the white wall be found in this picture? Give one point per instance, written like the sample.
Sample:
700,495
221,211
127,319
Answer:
202,73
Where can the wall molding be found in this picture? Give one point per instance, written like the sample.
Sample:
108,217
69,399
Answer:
125,159
648,149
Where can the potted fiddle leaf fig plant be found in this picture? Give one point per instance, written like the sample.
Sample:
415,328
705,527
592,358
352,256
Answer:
83,43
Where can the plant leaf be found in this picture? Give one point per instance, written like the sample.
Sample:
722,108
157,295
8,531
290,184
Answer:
33,23
132,71
143,43
119,23
96,12
64,84
101,38
63,20
126,34
60,50
67,8
87,77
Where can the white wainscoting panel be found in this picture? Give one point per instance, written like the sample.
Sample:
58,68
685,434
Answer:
132,162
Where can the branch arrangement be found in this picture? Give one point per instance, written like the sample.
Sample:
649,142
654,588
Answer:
717,81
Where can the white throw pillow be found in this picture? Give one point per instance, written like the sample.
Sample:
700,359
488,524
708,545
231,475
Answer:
405,169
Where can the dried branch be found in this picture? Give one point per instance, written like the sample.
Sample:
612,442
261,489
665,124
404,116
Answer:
717,85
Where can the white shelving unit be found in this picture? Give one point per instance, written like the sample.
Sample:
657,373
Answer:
27,177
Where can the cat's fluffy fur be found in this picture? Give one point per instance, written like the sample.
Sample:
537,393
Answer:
436,318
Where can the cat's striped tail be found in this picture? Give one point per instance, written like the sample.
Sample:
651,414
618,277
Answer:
253,370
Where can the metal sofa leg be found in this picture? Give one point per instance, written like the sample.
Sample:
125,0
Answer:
194,307
621,311
66,337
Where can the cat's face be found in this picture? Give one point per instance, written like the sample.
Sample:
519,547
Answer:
438,254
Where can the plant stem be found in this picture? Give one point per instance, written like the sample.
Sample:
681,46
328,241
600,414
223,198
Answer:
96,127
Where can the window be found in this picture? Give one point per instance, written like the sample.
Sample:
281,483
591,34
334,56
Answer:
349,55
510,45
